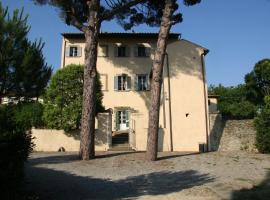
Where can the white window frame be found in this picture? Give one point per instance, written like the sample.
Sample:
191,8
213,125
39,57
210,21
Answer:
122,82
122,116
73,51
145,82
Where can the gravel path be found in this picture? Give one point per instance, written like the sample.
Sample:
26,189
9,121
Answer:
120,175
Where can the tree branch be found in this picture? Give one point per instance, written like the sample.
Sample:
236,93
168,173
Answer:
119,8
78,25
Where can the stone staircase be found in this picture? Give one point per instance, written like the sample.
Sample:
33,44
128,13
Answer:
120,142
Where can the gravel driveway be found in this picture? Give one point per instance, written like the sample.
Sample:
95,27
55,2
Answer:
126,175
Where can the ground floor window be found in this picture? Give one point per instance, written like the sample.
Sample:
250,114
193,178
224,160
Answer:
122,119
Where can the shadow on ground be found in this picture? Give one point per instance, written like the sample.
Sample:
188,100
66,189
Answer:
53,184
66,158
260,192
177,155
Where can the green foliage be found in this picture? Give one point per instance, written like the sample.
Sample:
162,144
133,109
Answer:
128,13
232,102
258,82
15,146
63,99
262,125
23,70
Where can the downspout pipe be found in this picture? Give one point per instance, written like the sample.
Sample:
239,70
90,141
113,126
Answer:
170,103
205,100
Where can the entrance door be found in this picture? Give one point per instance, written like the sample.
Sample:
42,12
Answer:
123,120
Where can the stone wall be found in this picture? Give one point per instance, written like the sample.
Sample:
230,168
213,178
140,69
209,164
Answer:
231,135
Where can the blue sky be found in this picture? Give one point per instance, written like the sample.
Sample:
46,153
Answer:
236,32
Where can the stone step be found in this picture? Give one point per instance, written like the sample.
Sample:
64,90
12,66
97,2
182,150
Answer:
116,148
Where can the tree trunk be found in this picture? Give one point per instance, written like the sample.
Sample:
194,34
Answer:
87,143
156,82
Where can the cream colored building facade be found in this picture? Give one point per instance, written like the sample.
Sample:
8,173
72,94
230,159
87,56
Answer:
124,64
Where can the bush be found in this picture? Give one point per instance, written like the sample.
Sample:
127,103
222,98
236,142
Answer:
262,125
233,103
63,99
15,146
237,110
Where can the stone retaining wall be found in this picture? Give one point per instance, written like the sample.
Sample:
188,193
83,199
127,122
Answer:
231,135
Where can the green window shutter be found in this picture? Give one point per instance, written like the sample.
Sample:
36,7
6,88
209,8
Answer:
117,125
136,50
128,82
136,82
148,82
79,54
116,51
147,51
128,117
67,51
116,83
127,51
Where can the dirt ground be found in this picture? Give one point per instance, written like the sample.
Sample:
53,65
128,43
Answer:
126,175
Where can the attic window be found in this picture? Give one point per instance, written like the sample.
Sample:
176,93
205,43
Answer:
73,52
141,51
121,51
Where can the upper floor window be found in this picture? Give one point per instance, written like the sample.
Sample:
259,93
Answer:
73,51
141,51
122,82
121,51
103,51
142,82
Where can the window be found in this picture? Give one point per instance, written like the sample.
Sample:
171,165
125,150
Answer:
121,51
141,51
122,82
73,52
122,120
103,51
142,82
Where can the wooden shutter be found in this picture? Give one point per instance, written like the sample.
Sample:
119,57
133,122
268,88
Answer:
127,51
117,125
79,53
128,117
67,51
116,83
136,50
128,82
115,50
148,82
147,51
136,82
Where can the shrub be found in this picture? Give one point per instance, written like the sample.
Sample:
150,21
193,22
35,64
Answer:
233,103
63,99
237,110
15,146
262,125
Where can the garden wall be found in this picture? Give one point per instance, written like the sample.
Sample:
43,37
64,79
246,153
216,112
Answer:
231,135
53,140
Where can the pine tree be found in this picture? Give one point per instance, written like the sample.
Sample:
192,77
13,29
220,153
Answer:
23,71
87,16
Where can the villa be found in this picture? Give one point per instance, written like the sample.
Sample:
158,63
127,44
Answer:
124,64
